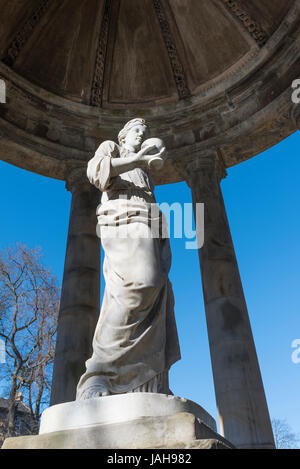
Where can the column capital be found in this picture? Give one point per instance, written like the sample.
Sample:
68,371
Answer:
210,164
76,177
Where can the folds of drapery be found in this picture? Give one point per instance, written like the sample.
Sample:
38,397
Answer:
136,337
99,167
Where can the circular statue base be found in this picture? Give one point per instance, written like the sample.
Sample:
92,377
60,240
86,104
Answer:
118,408
124,421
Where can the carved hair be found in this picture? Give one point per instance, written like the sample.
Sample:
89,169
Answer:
122,134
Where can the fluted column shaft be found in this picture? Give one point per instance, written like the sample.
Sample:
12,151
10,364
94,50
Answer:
242,408
80,297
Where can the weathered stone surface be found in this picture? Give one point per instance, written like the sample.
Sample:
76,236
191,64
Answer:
181,430
241,402
231,92
234,95
119,408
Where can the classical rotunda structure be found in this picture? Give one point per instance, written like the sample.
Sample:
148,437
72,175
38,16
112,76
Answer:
213,79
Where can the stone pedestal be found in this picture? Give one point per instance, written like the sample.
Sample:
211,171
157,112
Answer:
126,421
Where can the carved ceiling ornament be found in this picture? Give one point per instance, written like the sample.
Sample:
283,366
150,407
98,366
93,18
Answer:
25,32
255,30
177,67
98,79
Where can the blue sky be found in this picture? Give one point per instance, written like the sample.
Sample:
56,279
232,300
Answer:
262,198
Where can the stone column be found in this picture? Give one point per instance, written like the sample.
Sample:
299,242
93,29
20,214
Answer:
80,297
242,408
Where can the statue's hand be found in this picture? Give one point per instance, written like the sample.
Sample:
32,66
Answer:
143,156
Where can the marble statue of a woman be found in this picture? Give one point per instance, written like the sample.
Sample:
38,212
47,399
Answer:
135,341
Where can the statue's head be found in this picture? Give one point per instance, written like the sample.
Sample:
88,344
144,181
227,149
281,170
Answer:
133,133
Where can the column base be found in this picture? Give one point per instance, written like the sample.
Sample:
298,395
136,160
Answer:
127,421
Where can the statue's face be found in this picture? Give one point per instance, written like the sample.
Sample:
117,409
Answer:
135,136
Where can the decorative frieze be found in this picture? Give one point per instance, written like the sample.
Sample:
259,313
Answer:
98,79
177,67
25,32
252,26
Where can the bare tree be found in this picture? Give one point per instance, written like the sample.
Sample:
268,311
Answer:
29,300
284,436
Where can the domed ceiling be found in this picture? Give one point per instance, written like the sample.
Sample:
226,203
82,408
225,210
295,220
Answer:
189,66
126,52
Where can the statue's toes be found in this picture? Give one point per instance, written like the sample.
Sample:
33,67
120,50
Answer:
94,392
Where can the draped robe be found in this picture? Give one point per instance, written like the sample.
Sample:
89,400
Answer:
135,341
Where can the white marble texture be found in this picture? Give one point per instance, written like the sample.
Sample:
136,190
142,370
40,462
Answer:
117,409
135,342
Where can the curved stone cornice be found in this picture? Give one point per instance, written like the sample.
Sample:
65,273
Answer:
240,142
